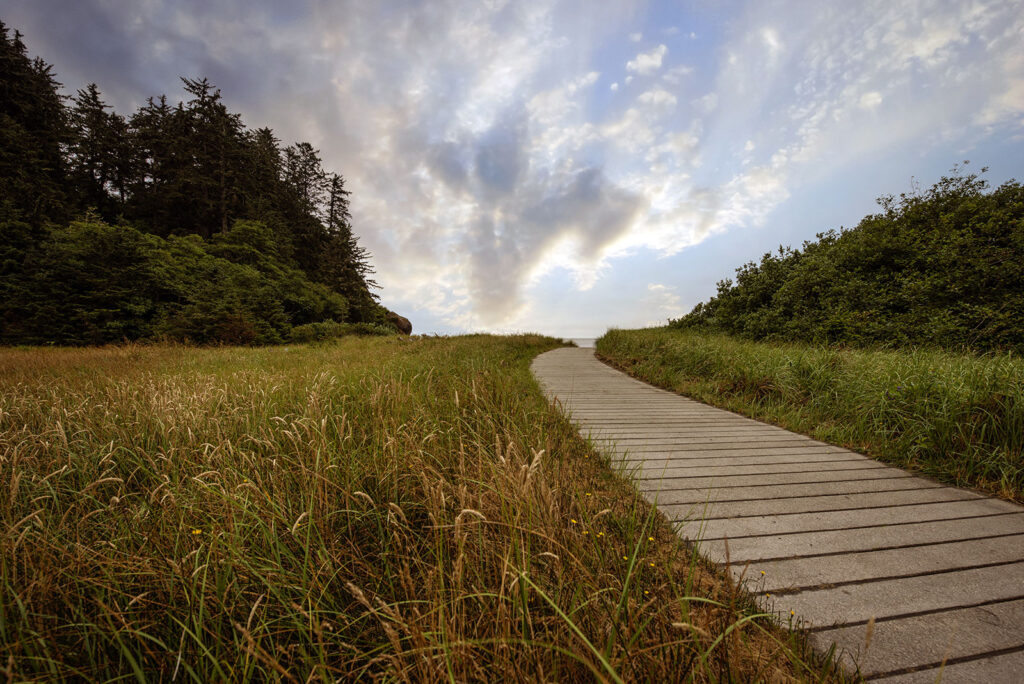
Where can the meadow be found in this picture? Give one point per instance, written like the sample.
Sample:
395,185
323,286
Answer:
957,417
385,508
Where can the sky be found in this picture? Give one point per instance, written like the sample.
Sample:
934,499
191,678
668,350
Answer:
567,167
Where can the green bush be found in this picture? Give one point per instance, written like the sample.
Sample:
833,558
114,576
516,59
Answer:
939,268
329,330
370,329
317,332
95,283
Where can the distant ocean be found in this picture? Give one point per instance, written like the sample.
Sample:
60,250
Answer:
584,341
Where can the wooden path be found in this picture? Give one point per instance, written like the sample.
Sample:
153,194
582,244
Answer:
838,538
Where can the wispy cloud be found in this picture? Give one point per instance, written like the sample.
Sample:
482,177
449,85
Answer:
647,62
489,145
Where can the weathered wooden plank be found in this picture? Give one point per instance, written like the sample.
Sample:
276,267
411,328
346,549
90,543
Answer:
933,638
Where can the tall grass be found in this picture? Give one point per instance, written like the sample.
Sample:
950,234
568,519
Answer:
956,417
380,508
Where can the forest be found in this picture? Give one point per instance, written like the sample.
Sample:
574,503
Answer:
175,223
942,267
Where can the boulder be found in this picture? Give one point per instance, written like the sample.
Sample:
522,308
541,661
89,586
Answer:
401,323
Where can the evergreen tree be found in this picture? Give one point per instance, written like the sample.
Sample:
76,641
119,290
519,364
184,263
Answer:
345,265
95,154
305,187
33,133
221,234
213,140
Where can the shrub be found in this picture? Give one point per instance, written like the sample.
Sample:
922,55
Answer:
939,268
317,332
94,283
329,330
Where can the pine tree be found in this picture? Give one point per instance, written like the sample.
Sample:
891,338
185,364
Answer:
94,156
154,161
33,133
214,141
302,203
345,265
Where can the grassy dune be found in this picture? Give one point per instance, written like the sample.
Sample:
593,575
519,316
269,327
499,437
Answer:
386,508
956,417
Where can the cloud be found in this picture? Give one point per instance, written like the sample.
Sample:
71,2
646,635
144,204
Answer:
483,156
870,100
658,99
500,157
707,103
584,81
579,216
647,62
636,37
664,300
771,40
446,161
675,75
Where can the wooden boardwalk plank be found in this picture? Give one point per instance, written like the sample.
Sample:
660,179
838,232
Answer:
863,565
932,638
850,538
771,508
841,539
760,525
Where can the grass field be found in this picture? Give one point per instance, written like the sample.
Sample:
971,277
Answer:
399,509
956,417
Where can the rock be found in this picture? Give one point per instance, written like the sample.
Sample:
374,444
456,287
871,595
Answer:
401,323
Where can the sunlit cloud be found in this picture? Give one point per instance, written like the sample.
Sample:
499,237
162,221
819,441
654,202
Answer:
495,147
647,62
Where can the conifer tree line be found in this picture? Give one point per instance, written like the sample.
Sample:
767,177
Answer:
175,222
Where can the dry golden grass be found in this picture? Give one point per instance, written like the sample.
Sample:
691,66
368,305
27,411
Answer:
384,508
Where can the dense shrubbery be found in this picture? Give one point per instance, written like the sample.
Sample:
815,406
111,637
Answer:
177,222
330,330
90,283
943,267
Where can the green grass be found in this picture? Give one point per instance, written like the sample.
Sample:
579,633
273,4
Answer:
399,509
956,417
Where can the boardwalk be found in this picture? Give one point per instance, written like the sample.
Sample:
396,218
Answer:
840,539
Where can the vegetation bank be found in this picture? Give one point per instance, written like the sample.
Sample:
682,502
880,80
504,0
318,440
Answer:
938,268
